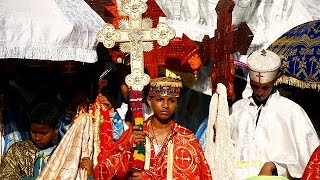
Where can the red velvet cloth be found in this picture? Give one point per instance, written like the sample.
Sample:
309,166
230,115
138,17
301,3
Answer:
312,170
189,160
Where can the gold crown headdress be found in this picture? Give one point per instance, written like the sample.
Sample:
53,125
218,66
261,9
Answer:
165,86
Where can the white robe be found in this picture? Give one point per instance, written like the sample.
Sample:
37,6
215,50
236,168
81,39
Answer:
284,135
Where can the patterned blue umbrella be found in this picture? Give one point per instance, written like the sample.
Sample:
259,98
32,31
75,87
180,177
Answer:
299,50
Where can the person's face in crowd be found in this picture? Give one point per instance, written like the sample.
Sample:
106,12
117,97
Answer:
79,98
125,89
105,102
163,106
41,135
261,91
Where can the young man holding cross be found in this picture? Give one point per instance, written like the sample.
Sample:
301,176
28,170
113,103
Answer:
272,134
172,151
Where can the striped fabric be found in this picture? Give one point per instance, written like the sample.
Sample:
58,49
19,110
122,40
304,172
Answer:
77,143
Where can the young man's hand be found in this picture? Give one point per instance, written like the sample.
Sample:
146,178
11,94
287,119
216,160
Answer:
87,164
267,169
138,134
136,176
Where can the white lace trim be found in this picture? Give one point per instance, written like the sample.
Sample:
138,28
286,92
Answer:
49,30
47,52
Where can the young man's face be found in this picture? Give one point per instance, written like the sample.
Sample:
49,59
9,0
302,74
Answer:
261,91
163,106
41,135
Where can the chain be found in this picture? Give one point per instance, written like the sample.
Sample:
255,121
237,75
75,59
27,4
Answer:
155,136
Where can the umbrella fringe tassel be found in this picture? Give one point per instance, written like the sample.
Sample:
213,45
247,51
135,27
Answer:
297,83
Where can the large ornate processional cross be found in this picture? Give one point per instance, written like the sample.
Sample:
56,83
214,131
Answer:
226,41
135,36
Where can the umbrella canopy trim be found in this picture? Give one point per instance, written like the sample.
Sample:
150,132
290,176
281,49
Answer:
56,30
299,51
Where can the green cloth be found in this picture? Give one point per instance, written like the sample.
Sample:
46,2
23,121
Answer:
33,178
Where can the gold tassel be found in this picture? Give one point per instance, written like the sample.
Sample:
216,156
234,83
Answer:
297,83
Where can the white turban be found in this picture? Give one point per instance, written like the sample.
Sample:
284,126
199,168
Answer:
263,66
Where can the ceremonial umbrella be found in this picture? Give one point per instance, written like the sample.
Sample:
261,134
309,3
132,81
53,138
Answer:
56,30
299,50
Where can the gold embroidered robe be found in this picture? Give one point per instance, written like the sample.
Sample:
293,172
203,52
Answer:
18,162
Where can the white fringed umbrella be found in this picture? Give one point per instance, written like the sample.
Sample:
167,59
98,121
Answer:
57,30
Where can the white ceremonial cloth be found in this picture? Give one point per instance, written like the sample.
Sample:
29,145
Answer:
57,30
268,20
284,135
218,146
195,18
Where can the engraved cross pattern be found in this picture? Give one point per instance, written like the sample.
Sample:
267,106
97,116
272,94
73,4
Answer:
183,158
226,41
134,40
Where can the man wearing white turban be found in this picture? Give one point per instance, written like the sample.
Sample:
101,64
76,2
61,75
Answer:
271,134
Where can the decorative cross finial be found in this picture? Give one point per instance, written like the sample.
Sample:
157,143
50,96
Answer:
224,44
264,52
135,35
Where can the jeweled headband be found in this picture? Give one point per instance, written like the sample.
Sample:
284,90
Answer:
164,86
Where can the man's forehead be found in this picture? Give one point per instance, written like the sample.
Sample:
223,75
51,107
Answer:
261,84
40,127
